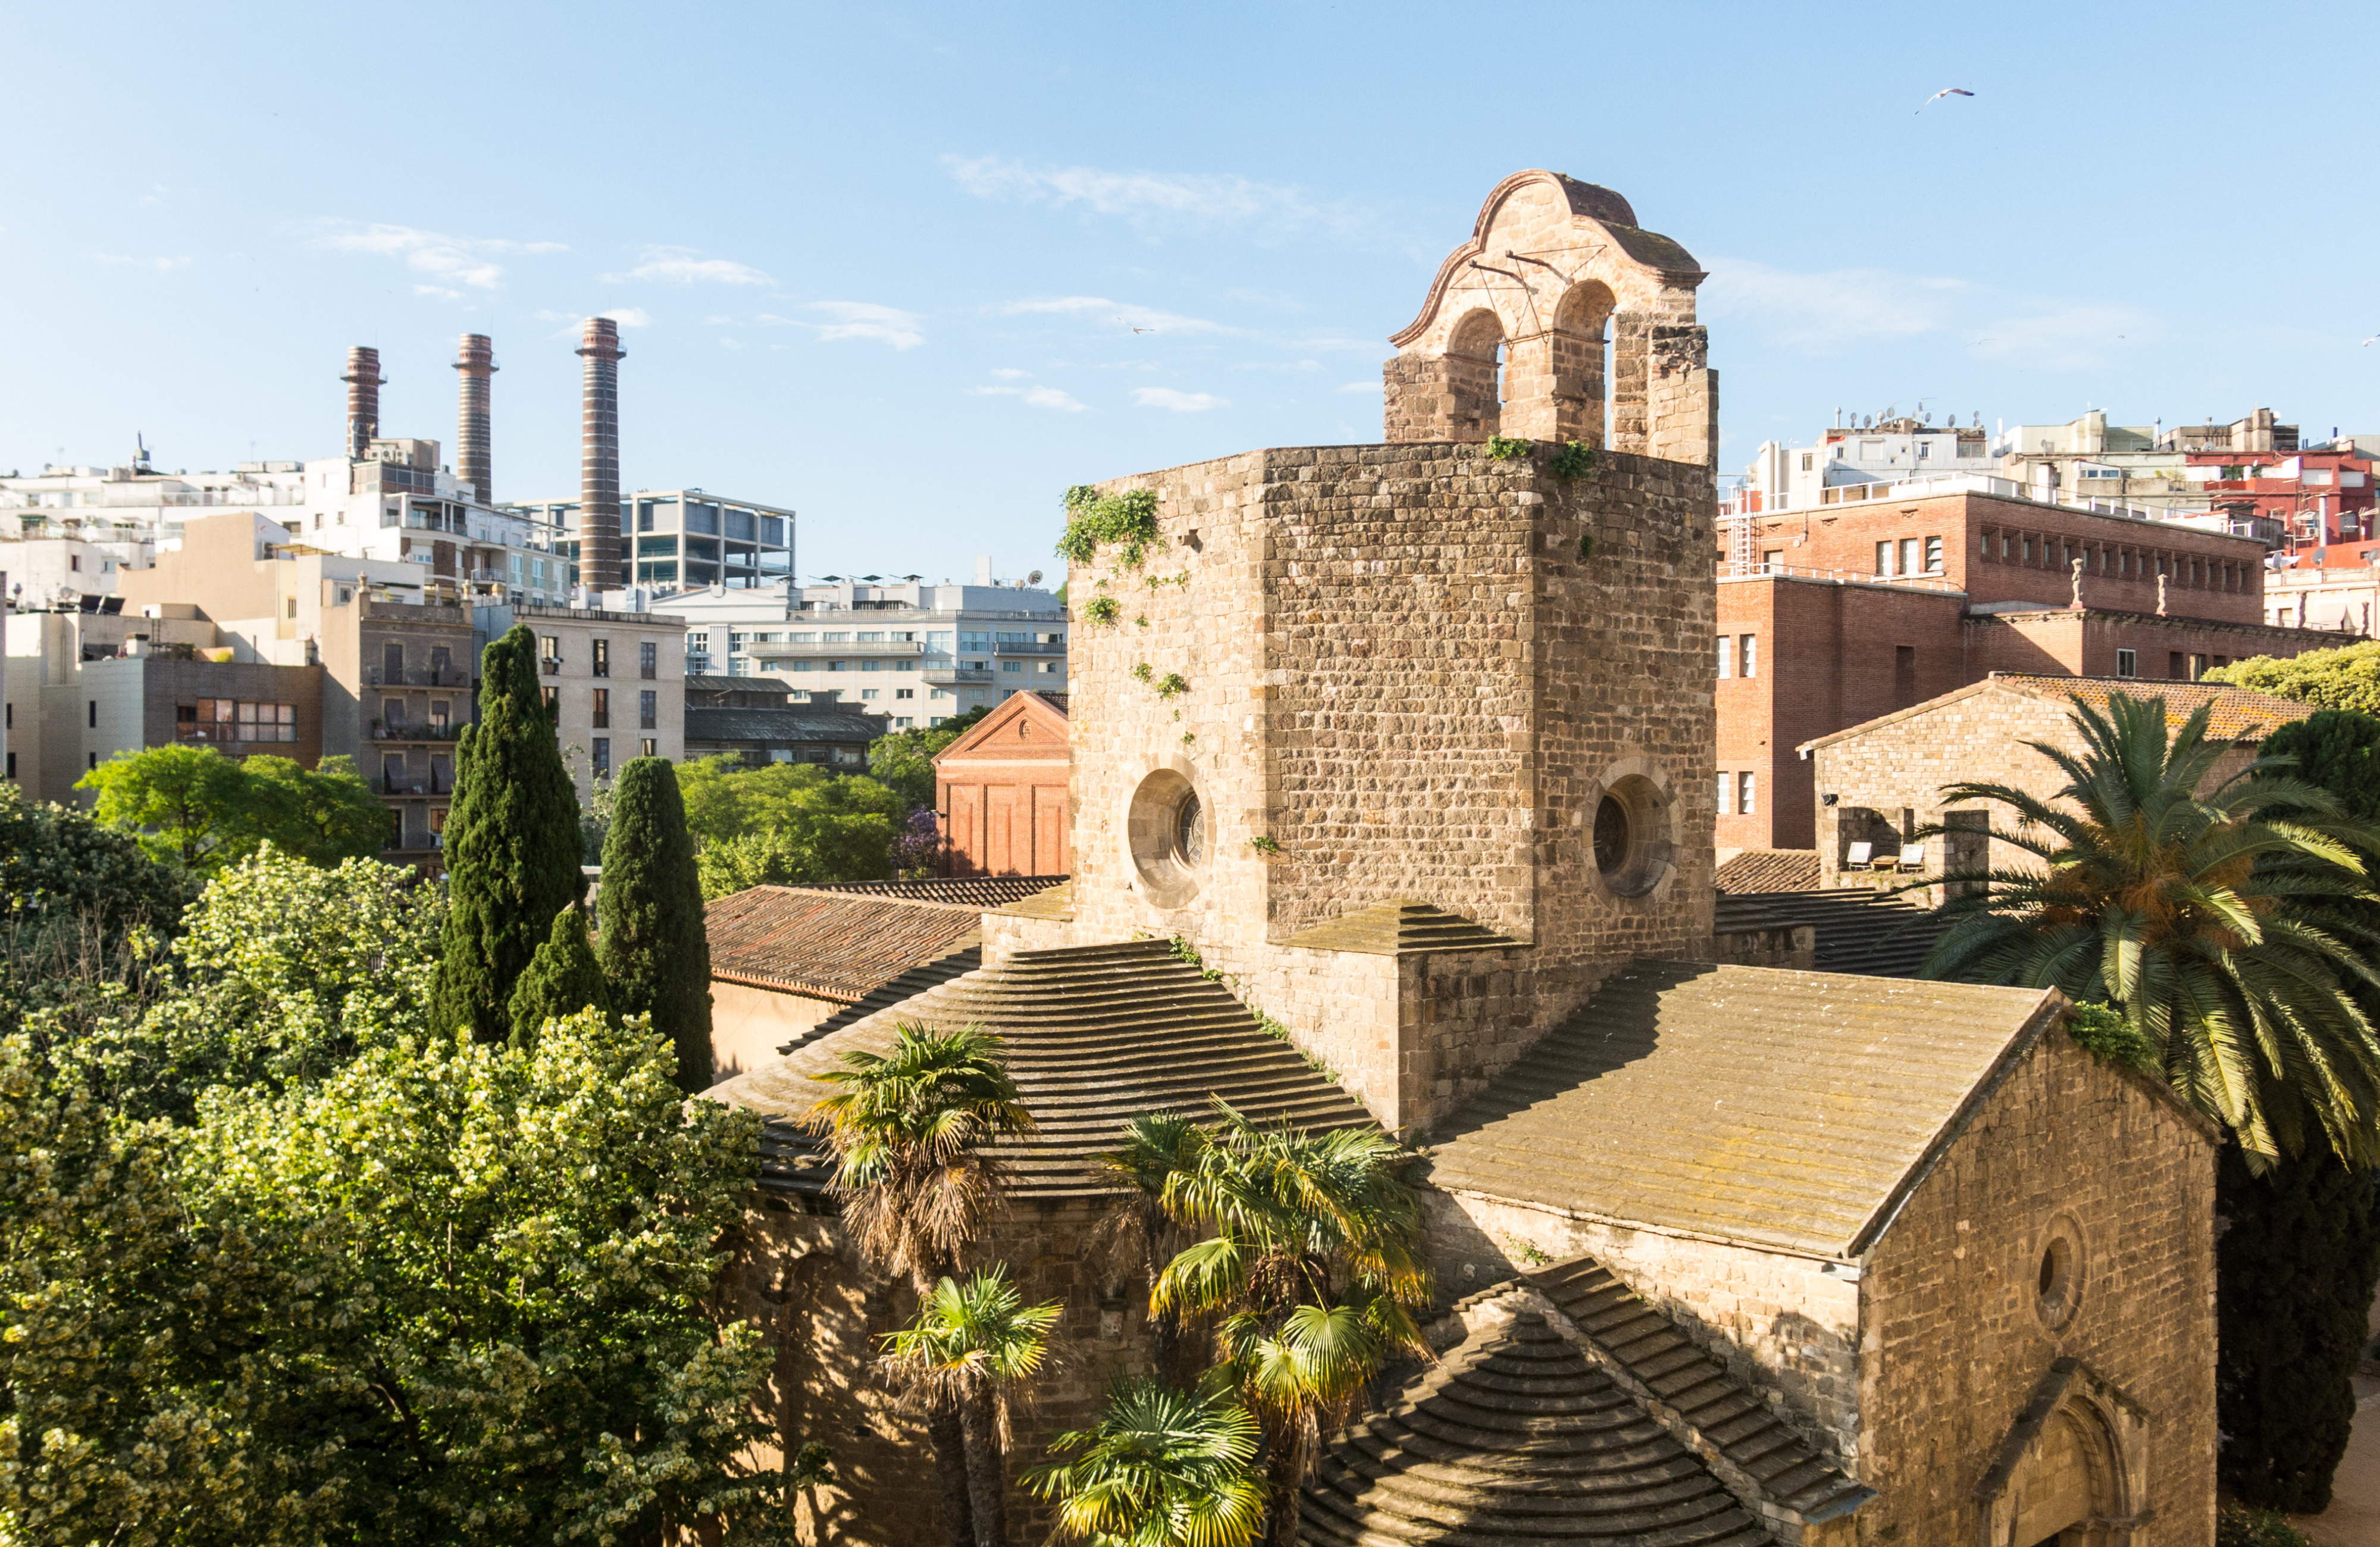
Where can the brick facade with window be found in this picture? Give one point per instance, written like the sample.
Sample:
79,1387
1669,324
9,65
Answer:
1856,611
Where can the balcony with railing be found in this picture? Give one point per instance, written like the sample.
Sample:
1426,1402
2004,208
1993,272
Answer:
433,732
946,675
1028,647
810,650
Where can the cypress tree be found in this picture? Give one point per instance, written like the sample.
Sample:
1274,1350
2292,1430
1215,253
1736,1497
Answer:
512,842
654,953
562,979
2294,1270
2299,1251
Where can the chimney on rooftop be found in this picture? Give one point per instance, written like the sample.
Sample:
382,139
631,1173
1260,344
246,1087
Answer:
599,457
363,381
473,461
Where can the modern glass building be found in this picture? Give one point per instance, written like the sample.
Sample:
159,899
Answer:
687,540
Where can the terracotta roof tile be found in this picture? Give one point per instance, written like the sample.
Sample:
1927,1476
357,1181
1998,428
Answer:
2241,713
1771,870
831,945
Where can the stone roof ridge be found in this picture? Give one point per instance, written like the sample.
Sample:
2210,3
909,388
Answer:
1402,926
1052,902
1754,1450
2235,718
1518,1434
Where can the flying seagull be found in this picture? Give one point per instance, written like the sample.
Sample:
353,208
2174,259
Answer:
2367,343
1945,92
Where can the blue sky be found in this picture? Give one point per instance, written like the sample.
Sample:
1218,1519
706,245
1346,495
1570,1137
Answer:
912,270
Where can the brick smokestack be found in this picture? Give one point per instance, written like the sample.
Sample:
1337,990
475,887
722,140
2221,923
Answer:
599,457
474,462
363,381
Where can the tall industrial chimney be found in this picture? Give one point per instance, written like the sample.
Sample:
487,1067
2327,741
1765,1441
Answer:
473,460
599,457
363,381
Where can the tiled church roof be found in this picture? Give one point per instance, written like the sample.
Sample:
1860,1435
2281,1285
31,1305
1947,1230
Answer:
1769,869
1770,1107
1096,1034
967,890
829,945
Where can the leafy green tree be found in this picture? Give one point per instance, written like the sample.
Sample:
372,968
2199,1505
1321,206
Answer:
902,762
2348,677
512,842
785,824
972,1344
2297,1258
915,1192
2223,934
323,817
1310,1262
2295,1265
132,1408
654,950
1158,1467
512,1250
283,971
187,802
82,908
562,979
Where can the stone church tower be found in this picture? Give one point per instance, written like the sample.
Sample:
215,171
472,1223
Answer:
1412,741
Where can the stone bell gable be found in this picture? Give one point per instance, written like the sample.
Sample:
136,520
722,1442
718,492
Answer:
1552,266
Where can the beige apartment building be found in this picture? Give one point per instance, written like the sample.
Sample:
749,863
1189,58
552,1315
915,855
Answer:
396,671
615,681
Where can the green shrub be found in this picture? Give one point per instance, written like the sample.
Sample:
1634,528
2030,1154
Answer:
1127,520
1501,449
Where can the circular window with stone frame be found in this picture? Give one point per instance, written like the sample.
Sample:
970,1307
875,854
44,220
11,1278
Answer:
2057,1276
1630,834
1165,832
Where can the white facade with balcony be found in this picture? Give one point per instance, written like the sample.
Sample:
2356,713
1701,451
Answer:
920,654
674,540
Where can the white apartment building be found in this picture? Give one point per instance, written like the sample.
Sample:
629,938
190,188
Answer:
921,654
79,527
1892,451
675,539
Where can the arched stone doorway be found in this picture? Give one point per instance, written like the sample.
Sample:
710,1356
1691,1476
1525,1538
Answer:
2072,1471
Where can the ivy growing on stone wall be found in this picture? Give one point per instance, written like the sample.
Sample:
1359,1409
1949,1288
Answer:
1173,685
1127,520
1263,843
1504,449
1143,672
1102,610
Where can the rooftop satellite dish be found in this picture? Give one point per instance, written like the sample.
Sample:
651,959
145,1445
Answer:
1034,579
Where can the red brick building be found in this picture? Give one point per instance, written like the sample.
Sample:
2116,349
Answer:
1834,615
1002,791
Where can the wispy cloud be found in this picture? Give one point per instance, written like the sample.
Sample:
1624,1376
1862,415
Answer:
1120,315
1298,365
1177,200
1009,373
454,259
1180,402
1039,398
1820,312
683,265
866,320
629,316
1836,311
163,265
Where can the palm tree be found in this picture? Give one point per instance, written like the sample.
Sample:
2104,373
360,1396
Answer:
1313,1265
914,1193
972,1344
2218,928
1160,1468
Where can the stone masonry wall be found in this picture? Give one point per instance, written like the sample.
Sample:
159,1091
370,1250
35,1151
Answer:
1953,1344
1404,670
1903,765
1785,1326
799,1280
